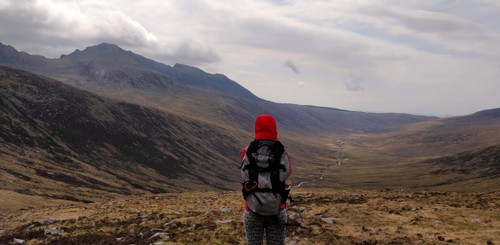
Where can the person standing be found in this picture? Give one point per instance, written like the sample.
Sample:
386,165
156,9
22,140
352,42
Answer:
265,172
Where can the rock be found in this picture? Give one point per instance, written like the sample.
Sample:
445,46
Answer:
171,224
157,230
329,220
294,219
489,242
162,235
225,210
119,239
438,222
226,221
18,241
298,209
292,242
47,222
475,221
52,231
35,224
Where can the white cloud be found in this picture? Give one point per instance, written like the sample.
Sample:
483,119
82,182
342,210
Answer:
441,49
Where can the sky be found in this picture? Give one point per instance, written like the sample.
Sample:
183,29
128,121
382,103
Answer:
425,57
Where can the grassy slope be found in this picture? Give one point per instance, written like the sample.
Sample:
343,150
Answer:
361,217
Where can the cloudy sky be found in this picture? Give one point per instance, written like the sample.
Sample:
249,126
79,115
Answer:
431,57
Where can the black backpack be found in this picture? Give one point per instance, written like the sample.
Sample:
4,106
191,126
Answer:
259,163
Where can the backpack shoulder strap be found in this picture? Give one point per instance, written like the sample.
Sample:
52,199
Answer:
252,166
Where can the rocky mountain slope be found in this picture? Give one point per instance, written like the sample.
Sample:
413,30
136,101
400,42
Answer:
61,141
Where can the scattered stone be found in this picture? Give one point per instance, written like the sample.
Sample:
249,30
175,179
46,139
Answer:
47,222
2,232
226,221
18,241
292,242
294,219
298,209
441,238
157,230
365,229
119,239
416,220
475,221
158,243
489,242
171,224
52,231
35,224
329,220
225,210
162,235
438,222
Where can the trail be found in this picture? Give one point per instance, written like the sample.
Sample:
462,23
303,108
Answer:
339,157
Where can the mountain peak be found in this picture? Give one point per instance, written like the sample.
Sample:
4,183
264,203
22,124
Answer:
103,48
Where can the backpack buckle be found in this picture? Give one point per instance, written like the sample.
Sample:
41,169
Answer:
253,186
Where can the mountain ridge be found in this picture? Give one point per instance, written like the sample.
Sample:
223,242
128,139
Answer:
184,88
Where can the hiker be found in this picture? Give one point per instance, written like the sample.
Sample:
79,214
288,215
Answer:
265,167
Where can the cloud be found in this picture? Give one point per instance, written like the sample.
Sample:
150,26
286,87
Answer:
354,84
292,66
447,47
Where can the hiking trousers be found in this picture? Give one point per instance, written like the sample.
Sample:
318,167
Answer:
274,227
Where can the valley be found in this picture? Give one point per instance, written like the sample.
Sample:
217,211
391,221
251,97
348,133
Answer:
108,146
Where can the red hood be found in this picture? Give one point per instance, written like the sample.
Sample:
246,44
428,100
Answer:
265,128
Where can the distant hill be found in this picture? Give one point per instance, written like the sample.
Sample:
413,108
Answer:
491,116
460,153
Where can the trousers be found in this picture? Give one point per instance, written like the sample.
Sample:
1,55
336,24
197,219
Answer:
273,227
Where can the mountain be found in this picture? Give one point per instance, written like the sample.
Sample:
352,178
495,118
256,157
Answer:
107,122
64,142
110,71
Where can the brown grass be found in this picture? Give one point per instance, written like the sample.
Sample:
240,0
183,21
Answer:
361,217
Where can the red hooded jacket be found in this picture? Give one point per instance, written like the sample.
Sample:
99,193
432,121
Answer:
265,129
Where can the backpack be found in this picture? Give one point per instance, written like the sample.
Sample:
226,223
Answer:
264,174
